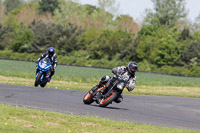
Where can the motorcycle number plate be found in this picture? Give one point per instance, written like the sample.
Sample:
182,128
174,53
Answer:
43,65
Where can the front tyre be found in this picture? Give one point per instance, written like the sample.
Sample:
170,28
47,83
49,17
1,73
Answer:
43,85
105,101
37,80
88,98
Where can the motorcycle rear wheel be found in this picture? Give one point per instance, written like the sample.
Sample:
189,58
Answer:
105,101
37,80
88,98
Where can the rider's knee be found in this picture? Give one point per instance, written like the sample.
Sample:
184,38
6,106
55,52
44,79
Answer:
104,79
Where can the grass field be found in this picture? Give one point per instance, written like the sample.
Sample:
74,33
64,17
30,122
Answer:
82,78
20,120
92,75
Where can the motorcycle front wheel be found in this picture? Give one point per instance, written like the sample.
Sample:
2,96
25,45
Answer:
105,101
37,80
88,98
43,85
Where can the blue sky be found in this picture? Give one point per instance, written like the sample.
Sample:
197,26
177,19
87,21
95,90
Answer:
136,8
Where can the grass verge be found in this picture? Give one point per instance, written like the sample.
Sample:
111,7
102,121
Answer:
91,75
20,120
81,78
139,90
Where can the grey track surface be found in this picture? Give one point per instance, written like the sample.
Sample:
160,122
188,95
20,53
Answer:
155,110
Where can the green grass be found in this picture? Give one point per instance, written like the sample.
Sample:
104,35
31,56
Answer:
82,78
20,120
152,79
92,75
65,73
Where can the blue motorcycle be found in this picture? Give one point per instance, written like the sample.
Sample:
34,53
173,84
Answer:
43,72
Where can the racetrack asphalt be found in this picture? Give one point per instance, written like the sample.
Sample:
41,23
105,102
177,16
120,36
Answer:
175,112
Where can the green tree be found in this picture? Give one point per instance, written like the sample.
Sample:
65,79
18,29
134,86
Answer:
62,38
68,41
2,12
109,5
127,24
159,46
108,10
169,49
42,33
70,12
196,24
48,5
166,12
83,15
90,9
4,33
112,43
147,45
191,54
89,39
22,39
12,4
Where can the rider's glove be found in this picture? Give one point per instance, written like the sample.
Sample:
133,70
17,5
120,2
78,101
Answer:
52,69
130,89
38,60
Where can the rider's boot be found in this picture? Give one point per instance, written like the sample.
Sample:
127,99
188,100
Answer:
95,90
119,99
49,79
98,98
52,73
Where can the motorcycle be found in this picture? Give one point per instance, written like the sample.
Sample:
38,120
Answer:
115,89
43,72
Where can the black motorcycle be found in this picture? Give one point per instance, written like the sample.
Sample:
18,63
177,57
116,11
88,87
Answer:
114,89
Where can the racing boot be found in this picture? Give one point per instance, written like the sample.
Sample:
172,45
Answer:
119,99
49,79
99,97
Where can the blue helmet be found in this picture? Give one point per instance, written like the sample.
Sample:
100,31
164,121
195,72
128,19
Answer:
51,51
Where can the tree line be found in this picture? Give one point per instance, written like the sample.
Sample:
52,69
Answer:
165,41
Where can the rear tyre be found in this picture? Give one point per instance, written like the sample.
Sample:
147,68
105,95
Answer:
88,98
37,80
105,101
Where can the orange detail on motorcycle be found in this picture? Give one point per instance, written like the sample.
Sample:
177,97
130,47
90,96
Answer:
105,100
108,84
100,89
88,96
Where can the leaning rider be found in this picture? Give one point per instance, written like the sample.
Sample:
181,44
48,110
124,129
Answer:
125,74
50,53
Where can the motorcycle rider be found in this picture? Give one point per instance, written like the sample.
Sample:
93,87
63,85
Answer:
126,76
50,53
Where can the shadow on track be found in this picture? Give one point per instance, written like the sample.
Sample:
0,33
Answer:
110,107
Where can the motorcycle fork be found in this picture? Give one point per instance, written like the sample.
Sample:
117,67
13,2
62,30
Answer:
48,74
41,78
110,90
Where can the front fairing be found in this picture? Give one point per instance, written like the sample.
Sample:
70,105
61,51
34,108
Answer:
44,65
115,84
